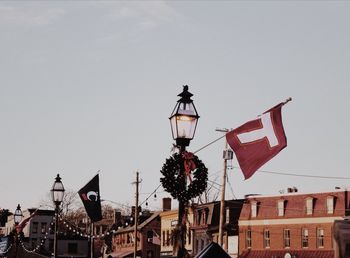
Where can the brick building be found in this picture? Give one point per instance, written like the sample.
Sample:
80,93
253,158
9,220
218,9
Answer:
206,225
168,224
148,244
291,225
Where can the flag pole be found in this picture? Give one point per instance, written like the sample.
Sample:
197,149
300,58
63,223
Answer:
287,100
92,239
136,215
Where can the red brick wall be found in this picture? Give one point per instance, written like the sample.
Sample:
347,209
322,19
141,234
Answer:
276,236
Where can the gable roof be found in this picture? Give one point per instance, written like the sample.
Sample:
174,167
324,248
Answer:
139,227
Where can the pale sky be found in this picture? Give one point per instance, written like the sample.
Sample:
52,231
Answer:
89,85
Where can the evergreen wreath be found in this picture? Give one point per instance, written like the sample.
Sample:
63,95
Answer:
176,169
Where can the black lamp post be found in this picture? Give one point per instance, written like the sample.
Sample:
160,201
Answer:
57,193
183,121
17,217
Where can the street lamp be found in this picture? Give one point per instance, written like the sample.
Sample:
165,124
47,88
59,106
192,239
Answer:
17,217
183,121
57,193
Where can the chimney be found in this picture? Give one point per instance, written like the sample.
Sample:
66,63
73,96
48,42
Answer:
117,216
166,204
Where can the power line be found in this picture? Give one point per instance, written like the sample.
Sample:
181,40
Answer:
299,175
261,171
229,183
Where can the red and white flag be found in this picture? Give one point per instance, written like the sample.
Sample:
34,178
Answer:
258,141
23,223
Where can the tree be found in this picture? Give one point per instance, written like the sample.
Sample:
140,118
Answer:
70,203
4,213
211,194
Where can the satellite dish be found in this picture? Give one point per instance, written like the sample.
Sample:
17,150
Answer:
287,255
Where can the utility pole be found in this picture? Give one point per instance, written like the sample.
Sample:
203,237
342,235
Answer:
226,155
136,212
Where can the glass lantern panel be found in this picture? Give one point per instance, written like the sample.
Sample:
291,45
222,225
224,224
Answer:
187,109
173,126
57,196
18,216
186,126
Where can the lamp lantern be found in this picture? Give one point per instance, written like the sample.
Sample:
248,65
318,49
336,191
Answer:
57,194
57,191
18,215
184,118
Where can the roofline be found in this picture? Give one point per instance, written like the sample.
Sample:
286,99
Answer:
256,196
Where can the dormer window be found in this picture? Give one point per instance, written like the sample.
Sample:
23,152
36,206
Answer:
309,205
280,207
330,204
254,208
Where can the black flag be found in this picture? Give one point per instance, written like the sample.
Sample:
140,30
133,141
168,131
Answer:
90,195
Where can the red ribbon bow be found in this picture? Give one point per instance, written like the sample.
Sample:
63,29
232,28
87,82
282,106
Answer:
188,163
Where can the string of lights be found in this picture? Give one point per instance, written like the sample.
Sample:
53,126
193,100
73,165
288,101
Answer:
75,229
41,242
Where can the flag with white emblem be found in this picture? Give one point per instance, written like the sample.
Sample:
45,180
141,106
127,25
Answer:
90,196
259,140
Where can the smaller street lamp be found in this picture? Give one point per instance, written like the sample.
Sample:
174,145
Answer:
183,119
57,193
18,215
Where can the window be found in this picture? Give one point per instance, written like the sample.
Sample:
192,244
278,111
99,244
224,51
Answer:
227,215
199,217
304,238
72,248
149,234
254,209
163,238
43,227
189,236
286,238
205,216
330,204
248,239
51,244
280,207
309,206
320,238
267,238
35,227
167,238
150,254
34,243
